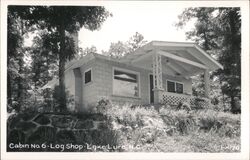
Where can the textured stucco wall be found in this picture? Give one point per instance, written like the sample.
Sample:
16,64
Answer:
78,88
102,83
89,91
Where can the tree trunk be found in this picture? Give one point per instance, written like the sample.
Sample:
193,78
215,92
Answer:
20,87
9,89
62,61
233,105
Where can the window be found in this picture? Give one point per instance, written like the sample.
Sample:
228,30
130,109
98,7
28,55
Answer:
171,86
174,87
87,76
179,88
125,83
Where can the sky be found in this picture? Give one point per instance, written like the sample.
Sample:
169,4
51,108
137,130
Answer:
155,21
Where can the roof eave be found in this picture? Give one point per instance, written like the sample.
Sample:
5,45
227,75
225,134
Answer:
217,64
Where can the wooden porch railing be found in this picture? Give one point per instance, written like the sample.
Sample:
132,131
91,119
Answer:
174,99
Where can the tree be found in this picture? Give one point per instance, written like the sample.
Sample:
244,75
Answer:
135,42
86,51
120,49
60,21
218,31
117,50
17,28
44,63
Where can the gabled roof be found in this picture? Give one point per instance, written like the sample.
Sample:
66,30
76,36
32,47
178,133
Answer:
183,52
75,63
178,57
78,63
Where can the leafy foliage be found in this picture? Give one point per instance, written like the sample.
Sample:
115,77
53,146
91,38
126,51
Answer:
17,84
172,130
86,51
218,31
143,127
120,49
53,44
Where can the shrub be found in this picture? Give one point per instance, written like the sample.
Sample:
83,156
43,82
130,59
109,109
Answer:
102,105
206,120
105,137
130,117
147,127
102,137
179,120
184,106
231,127
225,124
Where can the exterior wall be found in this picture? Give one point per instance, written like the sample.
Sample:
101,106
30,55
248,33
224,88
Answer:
101,84
89,90
78,88
187,83
103,74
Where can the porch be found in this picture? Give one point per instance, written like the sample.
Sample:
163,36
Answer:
176,59
175,99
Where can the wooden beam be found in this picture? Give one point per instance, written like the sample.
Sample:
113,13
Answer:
200,57
181,59
209,57
169,70
179,67
184,73
174,68
195,72
185,68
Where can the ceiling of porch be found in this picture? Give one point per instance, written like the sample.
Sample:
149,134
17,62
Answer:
178,59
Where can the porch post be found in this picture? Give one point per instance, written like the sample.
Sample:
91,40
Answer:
157,78
207,83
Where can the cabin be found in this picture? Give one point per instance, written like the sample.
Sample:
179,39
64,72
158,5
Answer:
157,73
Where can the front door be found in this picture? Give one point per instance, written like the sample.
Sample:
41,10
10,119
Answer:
151,86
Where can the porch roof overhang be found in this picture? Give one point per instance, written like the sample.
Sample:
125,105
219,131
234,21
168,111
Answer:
178,58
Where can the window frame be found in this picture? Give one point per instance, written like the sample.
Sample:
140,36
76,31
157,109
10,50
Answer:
130,72
91,76
167,86
175,88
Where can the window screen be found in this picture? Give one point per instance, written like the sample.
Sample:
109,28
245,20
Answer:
171,86
87,76
179,88
125,84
